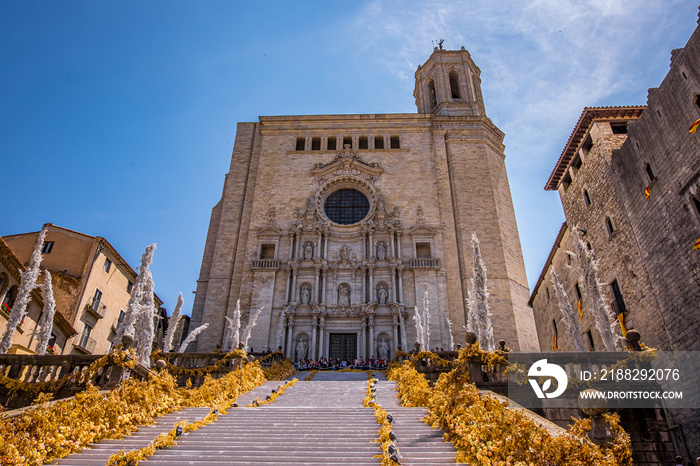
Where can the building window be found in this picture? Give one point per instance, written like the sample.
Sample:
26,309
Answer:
650,173
423,251
454,85
619,128
547,290
618,303
697,100
96,299
578,291
696,204
85,336
331,143
316,144
586,198
577,162
301,143
364,143
108,265
346,206
587,144
609,226
267,251
347,141
566,180
591,345
129,287
395,142
48,246
379,142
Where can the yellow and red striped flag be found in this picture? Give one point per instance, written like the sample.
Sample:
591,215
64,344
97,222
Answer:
694,126
697,245
621,319
580,310
554,343
647,192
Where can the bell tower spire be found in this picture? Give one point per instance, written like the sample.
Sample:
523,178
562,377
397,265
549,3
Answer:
448,83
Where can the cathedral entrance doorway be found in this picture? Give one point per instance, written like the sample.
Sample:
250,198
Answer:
343,346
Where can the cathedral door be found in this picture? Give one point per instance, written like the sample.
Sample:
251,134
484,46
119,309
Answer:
343,346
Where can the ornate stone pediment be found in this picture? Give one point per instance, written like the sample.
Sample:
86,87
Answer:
347,162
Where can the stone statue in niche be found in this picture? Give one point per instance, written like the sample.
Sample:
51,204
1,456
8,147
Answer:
382,294
344,250
381,206
381,251
305,294
301,349
344,296
308,252
383,349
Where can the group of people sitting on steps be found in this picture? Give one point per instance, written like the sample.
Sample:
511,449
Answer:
338,364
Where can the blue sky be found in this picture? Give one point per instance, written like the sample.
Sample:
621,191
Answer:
117,119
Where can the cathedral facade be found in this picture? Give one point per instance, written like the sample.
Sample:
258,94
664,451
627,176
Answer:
342,227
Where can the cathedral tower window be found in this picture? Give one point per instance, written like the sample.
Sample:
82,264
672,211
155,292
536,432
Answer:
696,204
347,141
423,251
619,128
48,246
609,226
301,143
650,173
591,345
618,303
697,100
331,143
363,142
316,144
346,206
395,142
454,85
431,95
379,142
586,198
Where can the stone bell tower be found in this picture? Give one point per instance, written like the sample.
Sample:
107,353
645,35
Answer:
448,84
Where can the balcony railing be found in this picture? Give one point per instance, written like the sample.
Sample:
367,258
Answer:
424,263
97,309
265,264
86,345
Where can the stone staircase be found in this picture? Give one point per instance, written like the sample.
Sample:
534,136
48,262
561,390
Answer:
318,422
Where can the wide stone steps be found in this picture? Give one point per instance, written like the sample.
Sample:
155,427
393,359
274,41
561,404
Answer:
322,421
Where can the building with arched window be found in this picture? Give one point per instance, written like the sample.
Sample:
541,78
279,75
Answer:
339,226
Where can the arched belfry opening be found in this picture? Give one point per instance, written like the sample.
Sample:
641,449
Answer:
454,85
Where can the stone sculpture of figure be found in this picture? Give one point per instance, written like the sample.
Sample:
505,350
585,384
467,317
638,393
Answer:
382,294
381,206
344,253
343,296
381,251
383,349
308,252
305,294
301,349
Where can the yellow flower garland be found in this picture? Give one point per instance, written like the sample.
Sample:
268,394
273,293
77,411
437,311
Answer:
273,396
484,431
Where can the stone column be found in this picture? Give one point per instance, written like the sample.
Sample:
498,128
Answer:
317,249
289,277
325,248
371,283
295,292
363,272
371,336
393,284
318,273
290,336
295,243
391,243
363,337
313,338
400,269
398,244
298,253
371,245
322,337
395,341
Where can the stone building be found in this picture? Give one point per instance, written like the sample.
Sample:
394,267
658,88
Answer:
91,283
629,179
25,339
337,225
